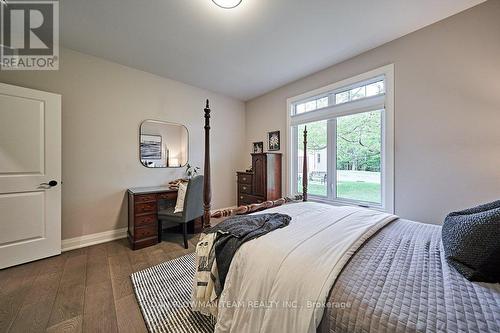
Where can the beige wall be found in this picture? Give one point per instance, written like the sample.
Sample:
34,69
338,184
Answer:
103,104
447,111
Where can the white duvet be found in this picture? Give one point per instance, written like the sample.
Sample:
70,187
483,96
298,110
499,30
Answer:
280,281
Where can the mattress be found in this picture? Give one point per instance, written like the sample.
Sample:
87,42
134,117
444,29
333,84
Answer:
399,281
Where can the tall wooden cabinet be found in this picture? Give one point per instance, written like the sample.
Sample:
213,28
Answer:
263,183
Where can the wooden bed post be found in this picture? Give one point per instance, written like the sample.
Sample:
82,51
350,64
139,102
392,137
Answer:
207,191
246,209
304,168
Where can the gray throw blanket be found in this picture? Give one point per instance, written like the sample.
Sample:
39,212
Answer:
235,231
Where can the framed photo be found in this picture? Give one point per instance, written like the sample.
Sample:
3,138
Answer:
274,140
150,147
258,147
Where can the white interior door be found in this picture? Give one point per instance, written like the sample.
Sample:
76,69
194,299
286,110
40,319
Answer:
30,175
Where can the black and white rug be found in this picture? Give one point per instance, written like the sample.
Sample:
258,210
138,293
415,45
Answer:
164,294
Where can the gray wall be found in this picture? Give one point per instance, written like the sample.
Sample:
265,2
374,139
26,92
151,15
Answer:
103,104
447,111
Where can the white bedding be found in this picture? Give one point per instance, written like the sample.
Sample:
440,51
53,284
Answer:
275,281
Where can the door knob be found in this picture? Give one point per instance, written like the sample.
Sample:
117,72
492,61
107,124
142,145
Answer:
52,183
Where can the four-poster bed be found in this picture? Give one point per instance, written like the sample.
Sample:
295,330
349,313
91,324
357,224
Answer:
245,209
345,269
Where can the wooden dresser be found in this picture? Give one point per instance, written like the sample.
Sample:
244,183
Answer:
263,183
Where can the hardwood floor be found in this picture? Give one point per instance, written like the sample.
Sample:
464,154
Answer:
84,290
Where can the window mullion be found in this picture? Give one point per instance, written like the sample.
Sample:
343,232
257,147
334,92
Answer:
295,174
331,166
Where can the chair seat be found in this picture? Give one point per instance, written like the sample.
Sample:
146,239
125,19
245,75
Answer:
169,215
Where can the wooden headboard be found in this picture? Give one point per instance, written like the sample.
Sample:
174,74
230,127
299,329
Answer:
207,189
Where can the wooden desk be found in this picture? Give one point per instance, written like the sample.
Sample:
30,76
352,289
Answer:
143,214
143,205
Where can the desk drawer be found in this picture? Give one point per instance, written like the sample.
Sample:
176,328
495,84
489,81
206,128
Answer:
145,231
244,189
147,207
244,179
168,196
145,220
144,198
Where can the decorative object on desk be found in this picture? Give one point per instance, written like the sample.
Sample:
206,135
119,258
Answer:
174,184
163,145
151,147
258,147
274,140
191,171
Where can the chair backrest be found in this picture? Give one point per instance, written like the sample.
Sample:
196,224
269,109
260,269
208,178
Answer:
193,202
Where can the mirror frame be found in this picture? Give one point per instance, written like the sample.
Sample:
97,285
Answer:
168,123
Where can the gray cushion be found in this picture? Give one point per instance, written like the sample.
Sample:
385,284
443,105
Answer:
471,240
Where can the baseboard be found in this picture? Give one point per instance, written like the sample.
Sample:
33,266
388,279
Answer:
92,239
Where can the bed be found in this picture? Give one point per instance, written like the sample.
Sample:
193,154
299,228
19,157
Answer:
399,281
358,270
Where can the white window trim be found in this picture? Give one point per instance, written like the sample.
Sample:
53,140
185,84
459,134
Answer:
385,101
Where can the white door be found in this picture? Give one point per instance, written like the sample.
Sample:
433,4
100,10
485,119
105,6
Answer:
30,175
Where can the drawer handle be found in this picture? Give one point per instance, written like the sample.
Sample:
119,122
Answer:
244,188
241,197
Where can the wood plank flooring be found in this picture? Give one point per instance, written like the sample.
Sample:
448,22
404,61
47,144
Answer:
84,290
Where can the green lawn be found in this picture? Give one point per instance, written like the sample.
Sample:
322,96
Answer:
349,190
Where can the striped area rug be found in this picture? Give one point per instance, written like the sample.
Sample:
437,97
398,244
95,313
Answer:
164,293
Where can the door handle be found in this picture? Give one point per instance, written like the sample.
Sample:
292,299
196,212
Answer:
50,184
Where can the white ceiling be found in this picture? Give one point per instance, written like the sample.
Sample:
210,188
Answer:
246,51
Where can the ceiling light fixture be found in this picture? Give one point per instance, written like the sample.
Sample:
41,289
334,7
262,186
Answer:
227,4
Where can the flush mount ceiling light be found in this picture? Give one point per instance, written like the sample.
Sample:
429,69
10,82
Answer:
227,4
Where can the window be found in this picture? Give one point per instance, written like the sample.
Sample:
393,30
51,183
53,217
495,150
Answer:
368,90
358,150
316,137
311,105
374,87
350,141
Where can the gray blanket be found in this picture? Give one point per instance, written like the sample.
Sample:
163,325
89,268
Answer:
235,231
399,281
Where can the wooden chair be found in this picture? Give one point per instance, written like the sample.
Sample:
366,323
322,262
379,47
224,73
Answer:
193,208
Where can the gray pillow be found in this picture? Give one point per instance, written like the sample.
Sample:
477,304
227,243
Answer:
471,240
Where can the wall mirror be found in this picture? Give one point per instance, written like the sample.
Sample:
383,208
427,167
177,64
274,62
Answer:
163,145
